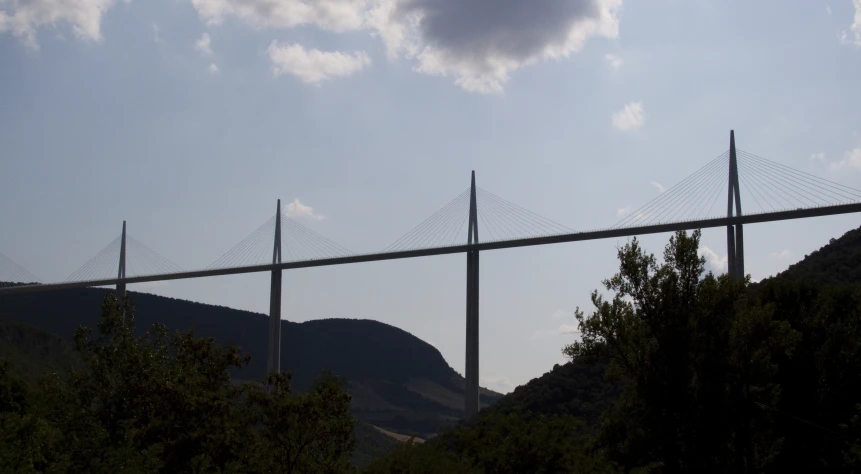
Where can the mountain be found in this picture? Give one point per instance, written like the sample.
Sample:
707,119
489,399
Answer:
398,382
575,388
579,388
838,262
34,352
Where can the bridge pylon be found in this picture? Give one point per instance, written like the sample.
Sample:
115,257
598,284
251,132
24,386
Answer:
471,398
274,356
121,273
734,233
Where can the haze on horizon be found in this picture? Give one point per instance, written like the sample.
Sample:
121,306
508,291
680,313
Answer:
189,119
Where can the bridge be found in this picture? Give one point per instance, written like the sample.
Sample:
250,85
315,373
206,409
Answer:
778,193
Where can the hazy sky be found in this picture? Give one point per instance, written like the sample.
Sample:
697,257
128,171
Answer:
189,119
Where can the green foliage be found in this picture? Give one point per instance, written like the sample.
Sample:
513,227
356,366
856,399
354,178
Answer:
352,349
371,444
33,353
697,357
577,388
165,403
502,443
409,458
837,263
517,442
365,353
721,378
310,432
819,382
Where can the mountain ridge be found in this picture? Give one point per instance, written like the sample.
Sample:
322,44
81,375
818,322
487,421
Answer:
379,361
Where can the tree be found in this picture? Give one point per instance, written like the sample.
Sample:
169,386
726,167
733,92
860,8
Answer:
25,439
697,357
310,432
165,403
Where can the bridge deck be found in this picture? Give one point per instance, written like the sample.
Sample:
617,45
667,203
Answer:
502,244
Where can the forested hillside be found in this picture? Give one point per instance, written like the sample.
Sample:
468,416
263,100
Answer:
398,381
838,262
685,372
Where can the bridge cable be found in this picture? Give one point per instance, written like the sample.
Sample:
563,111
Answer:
810,182
655,206
654,209
15,272
662,199
408,240
682,202
526,217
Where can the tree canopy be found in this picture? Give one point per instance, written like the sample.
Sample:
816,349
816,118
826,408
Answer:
166,403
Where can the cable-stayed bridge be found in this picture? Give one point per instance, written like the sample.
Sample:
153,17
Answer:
772,192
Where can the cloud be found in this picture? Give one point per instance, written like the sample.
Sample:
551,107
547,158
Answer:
314,66
23,18
213,68
204,45
818,157
856,23
851,158
630,118
785,253
330,15
828,9
497,384
658,185
155,31
478,42
614,61
481,42
298,209
566,329
714,262
623,211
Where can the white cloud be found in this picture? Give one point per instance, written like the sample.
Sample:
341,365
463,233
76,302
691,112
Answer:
658,185
828,9
298,209
213,68
623,211
479,42
331,15
714,262
851,158
856,23
155,31
785,253
818,157
566,329
614,61
23,18
497,384
204,45
314,66
855,27
630,118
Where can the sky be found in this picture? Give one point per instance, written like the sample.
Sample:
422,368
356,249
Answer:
189,118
